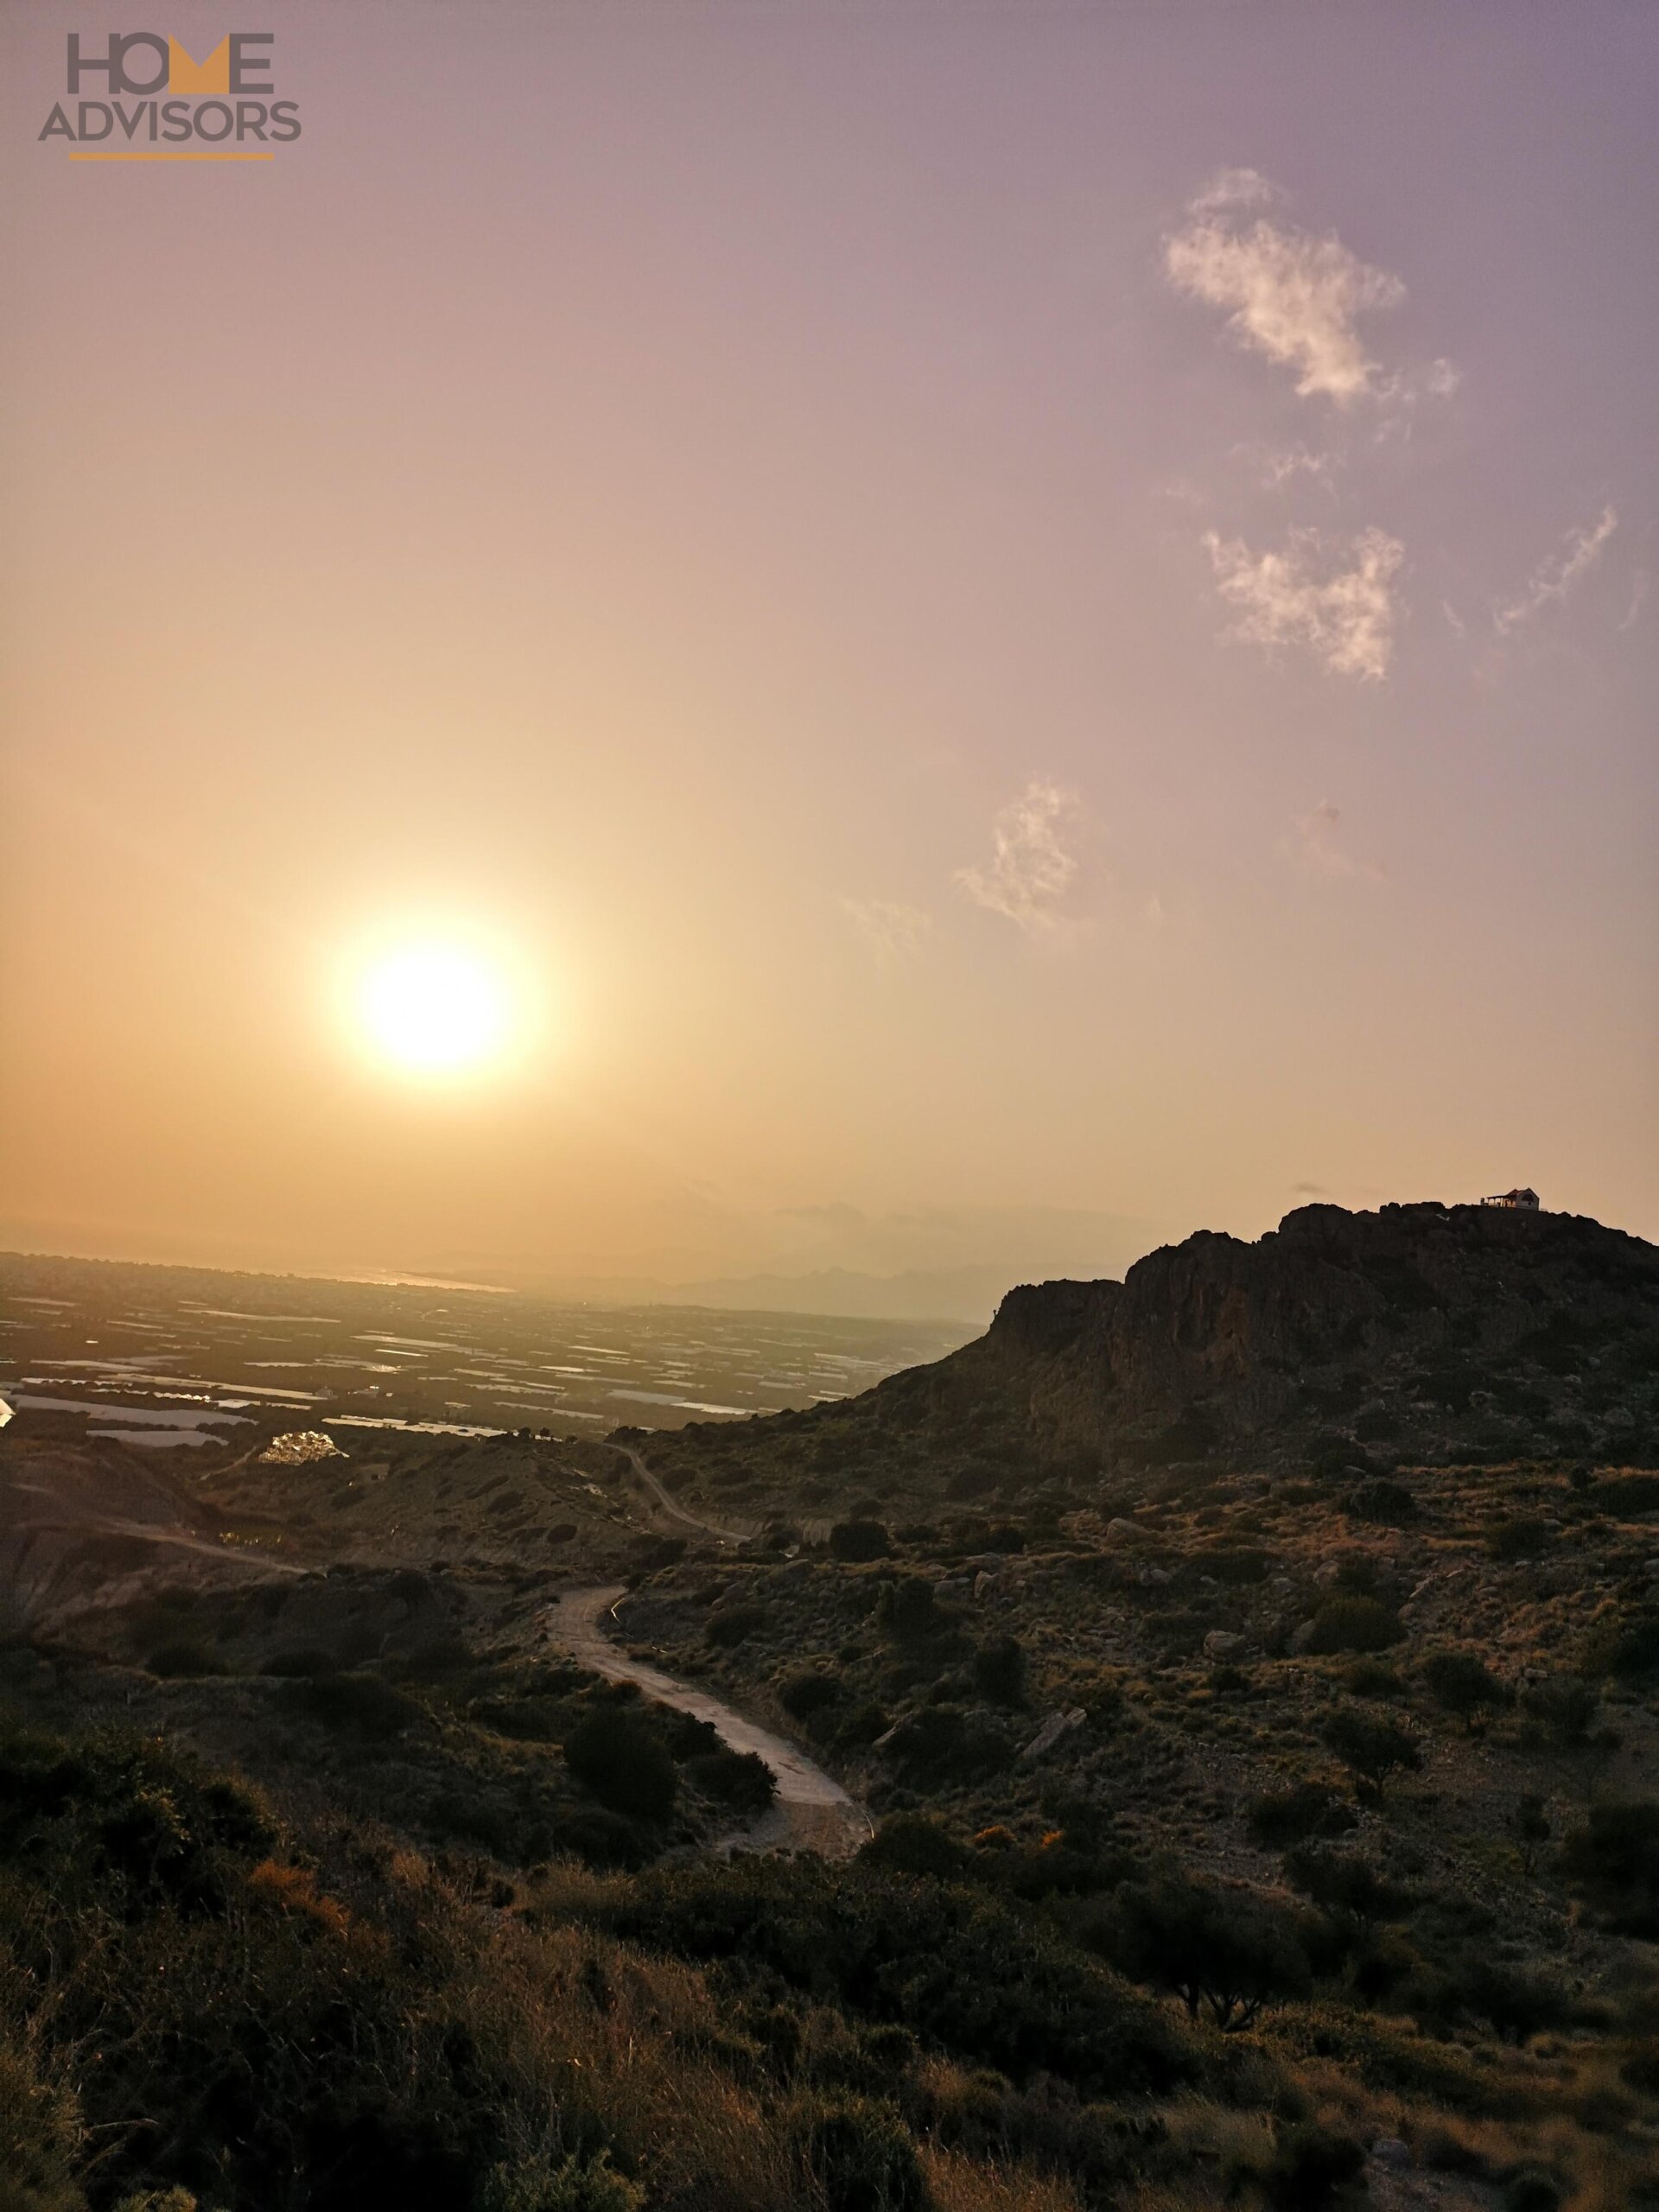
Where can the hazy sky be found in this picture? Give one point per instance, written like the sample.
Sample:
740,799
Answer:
1029,627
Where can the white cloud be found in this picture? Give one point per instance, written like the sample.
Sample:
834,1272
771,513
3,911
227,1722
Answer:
1234,188
1344,617
1295,298
1030,868
1317,849
1553,580
893,932
1277,466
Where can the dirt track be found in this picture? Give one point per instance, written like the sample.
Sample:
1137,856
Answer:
812,1812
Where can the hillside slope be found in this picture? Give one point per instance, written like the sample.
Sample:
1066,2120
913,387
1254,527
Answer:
1433,1330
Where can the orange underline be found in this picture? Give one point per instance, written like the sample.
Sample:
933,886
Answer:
172,157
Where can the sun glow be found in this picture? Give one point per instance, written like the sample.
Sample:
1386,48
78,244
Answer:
437,1008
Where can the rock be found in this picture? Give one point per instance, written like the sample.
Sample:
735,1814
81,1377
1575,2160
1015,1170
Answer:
1057,1725
984,1581
1153,1578
1390,2151
1120,1531
954,1585
1206,1348
1222,1643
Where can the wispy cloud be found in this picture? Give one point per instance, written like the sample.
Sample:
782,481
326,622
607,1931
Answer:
1277,466
892,930
1316,847
1553,580
1293,297
1345,616
1030,867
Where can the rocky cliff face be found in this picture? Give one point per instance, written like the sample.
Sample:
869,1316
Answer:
1421,1330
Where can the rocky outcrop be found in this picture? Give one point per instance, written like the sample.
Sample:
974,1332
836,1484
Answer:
1426,1330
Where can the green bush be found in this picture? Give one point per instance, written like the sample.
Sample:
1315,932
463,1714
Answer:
620,1760
807,1692
730,1625
858,2154
1373,1678
1352,1624
1279,1818
1311,2167
1612,1862
739,1780
1000,1670
1464,1685
1628,1648
539,2184
982,1982
1372,1746
358,1705
855,1540
908,1610
1221,1950
911,1843
1388,1504
942,1744
1341,1881
1521,1536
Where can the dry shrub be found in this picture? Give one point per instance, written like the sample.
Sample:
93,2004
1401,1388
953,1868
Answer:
961,2184
294,1888
1234,2144
1456,2143
601,2044
40,2134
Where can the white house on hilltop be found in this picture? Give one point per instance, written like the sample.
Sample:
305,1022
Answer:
1525,1201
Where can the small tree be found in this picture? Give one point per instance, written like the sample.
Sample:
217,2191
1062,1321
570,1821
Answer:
1223,1951
1371,1747
1465,1686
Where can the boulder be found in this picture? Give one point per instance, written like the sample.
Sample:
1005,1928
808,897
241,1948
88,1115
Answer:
1057,1725
1222,1643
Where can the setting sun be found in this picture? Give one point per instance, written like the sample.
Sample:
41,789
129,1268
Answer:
435,1009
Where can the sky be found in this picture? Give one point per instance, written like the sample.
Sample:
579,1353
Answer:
1019,629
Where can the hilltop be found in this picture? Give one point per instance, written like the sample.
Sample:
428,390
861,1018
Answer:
1419,1334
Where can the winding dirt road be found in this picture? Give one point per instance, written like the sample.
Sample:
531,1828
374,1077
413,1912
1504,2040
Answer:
669,1507
811,1811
